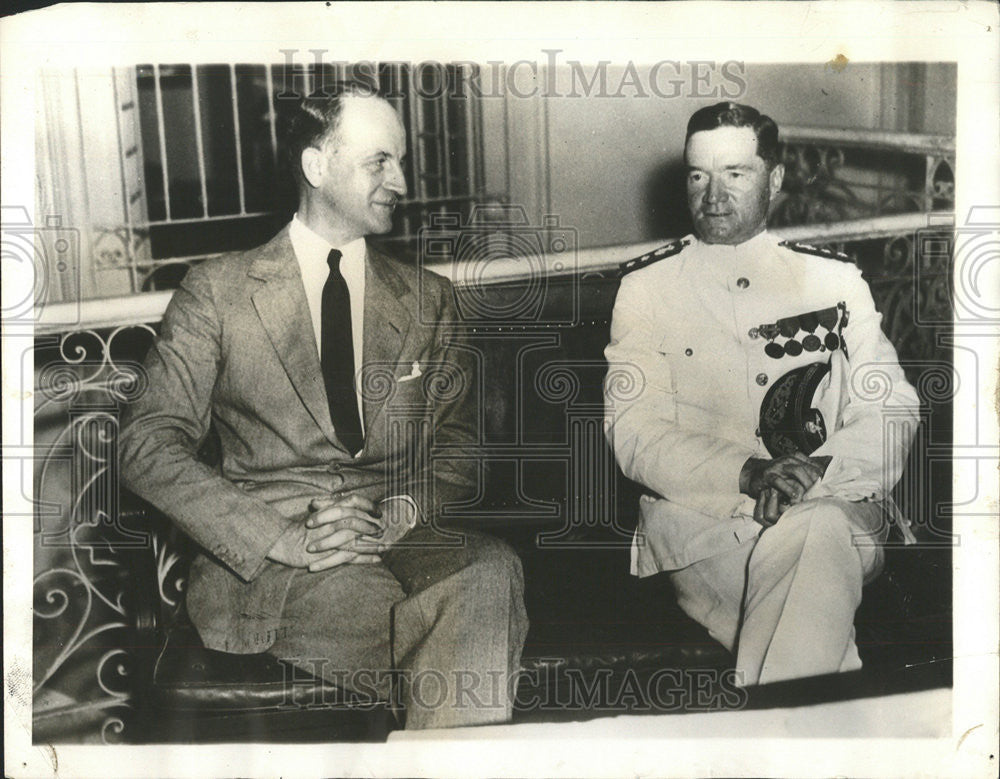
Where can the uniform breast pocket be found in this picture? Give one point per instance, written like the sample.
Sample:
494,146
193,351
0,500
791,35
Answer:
678,366
706,374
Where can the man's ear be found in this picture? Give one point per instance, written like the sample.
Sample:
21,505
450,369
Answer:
312,166
775,177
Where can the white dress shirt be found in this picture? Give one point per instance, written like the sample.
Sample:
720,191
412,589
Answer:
311,252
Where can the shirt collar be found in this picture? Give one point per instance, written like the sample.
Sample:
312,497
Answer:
312,249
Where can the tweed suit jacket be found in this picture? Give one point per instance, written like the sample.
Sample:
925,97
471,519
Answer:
237,352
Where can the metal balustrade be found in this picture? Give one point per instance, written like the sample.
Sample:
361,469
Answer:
149,307
833,175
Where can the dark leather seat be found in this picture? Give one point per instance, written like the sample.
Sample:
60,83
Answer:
198,694
190,677
186,693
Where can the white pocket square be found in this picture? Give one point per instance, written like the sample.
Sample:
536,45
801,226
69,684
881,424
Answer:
415,373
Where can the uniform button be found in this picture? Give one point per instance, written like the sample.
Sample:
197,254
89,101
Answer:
742,282
689,352
754,333
762,379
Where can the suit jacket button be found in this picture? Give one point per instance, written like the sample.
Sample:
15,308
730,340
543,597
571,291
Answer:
742,282
689,352
762,379
754,333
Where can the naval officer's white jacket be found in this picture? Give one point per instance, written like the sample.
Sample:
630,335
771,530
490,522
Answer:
688,371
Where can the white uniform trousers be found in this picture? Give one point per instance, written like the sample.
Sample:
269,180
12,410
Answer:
784,601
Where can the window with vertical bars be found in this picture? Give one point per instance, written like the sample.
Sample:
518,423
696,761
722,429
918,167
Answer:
213,175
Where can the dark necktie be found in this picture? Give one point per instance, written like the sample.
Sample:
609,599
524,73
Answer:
337,357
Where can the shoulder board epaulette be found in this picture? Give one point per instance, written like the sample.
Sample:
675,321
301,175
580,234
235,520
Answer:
804,248
667,250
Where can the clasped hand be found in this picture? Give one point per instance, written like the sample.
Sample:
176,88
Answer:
779,483
339,530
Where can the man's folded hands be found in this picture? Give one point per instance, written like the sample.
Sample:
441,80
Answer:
779,483
339,530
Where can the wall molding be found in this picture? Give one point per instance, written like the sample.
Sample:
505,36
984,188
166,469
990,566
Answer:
148,307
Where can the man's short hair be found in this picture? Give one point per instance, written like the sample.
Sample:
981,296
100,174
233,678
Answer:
314,118
738,115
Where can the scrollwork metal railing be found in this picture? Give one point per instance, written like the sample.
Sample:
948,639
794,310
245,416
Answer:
837,175
81,584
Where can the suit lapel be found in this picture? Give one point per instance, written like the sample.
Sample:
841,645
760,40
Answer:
387,322
281,305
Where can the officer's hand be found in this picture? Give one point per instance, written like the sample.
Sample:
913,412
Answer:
770,506
822,462
791,475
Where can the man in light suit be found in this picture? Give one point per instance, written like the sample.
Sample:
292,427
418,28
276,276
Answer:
752,392
346,409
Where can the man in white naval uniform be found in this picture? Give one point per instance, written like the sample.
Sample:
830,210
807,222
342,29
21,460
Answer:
767,492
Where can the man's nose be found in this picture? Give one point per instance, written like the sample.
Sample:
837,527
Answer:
395,180
714,192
